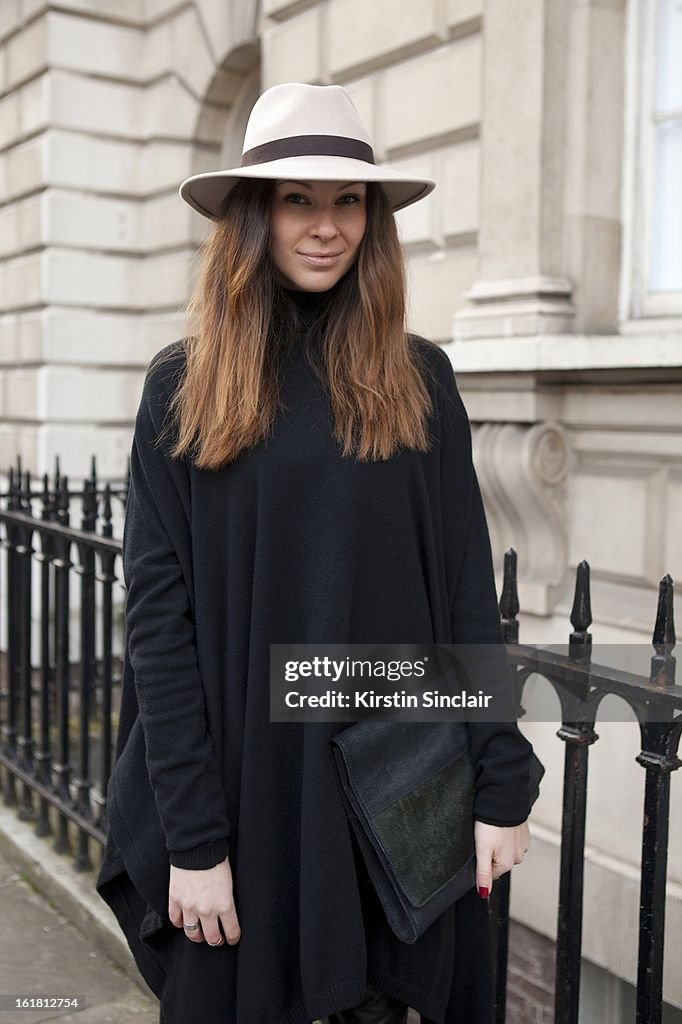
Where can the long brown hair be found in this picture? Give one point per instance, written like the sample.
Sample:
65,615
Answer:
228,396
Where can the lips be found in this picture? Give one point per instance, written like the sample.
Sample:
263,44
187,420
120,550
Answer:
320,259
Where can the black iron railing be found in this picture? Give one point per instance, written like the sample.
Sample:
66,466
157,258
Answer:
47,765
657,703
56,709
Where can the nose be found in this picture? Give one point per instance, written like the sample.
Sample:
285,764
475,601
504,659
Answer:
324,225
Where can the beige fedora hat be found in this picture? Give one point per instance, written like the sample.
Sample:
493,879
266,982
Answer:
304,132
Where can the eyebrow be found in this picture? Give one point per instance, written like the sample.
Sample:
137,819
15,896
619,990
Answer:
303,184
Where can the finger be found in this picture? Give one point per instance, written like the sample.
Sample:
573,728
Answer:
484,873
519,854
175,913
520,847
501,866
193,933
211,930
231,927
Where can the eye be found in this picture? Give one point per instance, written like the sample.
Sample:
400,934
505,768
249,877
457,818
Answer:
353,199
293,197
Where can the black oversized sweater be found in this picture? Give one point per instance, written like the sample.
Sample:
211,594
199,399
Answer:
289,544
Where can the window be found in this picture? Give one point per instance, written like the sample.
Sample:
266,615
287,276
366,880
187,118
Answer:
653,221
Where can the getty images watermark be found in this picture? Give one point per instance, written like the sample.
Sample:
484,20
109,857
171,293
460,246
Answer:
422,682
435,682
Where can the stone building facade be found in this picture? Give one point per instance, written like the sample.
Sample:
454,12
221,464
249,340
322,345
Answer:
547,261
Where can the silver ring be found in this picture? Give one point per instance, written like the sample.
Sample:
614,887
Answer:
192,927
215,943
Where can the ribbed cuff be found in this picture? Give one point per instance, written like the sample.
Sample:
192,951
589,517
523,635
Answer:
500,824
199,858
501,805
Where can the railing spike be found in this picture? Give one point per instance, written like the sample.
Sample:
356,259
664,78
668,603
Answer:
27,491
63,511
580,640
107,527
581,612
663,662
509,600
45,497
89,505
664,628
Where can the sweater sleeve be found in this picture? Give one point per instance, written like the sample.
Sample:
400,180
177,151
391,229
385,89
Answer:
500,752
181,762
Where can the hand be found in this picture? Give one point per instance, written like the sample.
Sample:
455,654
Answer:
497,850
204,896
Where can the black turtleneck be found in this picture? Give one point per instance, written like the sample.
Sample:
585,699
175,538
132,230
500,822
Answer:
307,302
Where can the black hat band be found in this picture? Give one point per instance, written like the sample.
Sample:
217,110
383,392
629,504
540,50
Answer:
308,145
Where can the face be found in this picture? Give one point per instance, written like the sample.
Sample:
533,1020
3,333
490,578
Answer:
316,229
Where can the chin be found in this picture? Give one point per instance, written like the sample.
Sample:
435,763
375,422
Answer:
321,286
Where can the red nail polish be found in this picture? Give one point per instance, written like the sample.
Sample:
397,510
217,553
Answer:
483,892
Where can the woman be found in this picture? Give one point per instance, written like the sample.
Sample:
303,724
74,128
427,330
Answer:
301,472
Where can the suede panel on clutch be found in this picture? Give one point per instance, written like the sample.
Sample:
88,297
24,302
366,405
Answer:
422,830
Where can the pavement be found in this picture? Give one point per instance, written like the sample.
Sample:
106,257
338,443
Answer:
56,941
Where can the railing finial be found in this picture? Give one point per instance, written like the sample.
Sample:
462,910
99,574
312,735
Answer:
107,526
509,601
664,639
580,640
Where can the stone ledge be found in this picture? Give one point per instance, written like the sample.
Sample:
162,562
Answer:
567,352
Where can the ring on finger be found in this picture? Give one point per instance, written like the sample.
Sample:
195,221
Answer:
192,927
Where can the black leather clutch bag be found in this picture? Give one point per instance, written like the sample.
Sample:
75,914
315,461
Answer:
408,790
